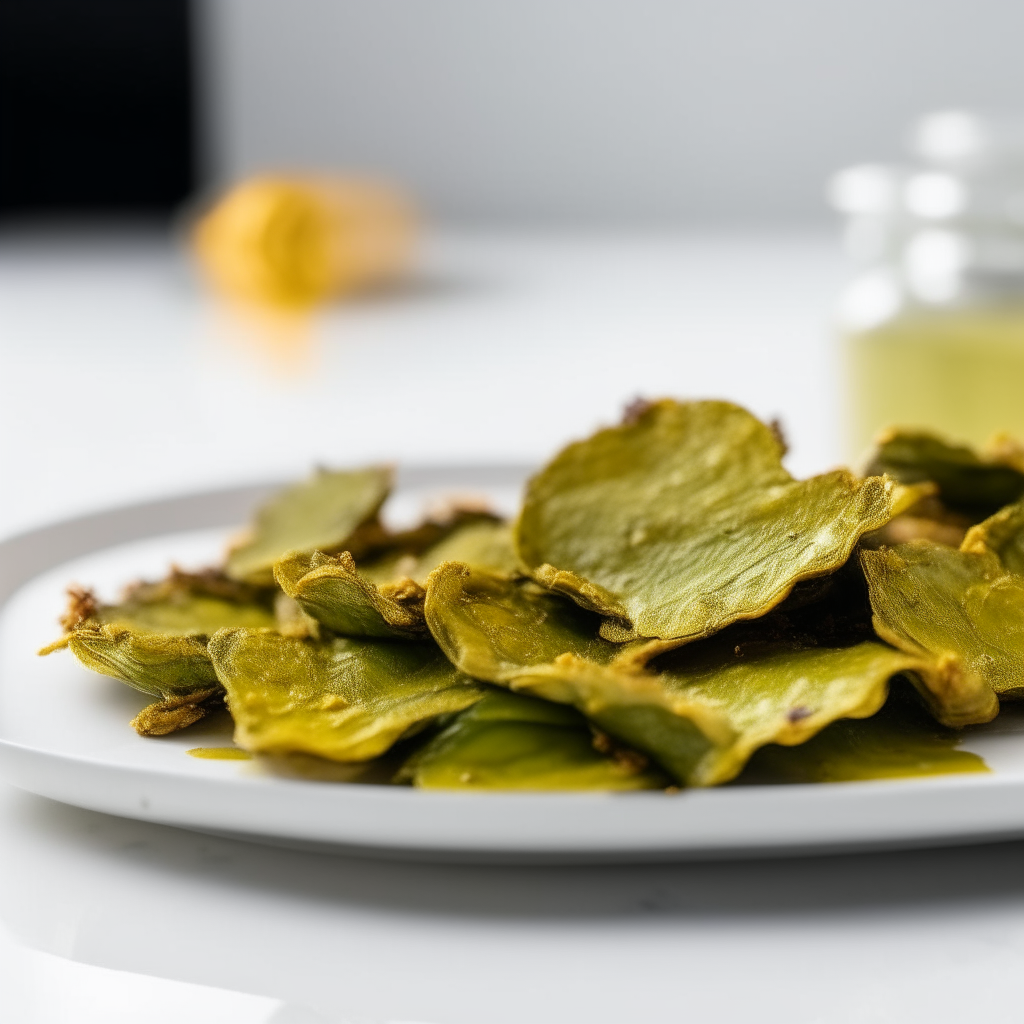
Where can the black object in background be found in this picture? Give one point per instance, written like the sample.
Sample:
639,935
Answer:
96,106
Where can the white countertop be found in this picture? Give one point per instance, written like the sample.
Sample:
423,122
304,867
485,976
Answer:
121,381
935,936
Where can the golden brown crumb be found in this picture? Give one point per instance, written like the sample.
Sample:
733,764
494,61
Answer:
634,410
172,713
776,428
82,606
629,760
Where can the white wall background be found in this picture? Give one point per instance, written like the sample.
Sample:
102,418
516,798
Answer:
692,111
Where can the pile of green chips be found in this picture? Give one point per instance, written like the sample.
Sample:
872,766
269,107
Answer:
670,608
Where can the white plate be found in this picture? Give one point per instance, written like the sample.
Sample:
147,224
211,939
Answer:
64,734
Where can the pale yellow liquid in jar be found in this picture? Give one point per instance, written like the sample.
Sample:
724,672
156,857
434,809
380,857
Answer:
957,372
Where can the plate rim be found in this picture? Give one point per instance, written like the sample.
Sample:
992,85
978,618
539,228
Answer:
983,807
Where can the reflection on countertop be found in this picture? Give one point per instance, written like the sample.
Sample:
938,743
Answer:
375,940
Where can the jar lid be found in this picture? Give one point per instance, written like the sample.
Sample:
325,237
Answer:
954,217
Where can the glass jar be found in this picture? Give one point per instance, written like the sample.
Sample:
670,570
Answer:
933,321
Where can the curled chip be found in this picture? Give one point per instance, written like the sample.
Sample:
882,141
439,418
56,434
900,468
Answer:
1003,535
175,668
321,514
163,665
683,520
333,592
901,741
155,640
700,717
507,741
482,544
189,604
961,607
971,483
342,699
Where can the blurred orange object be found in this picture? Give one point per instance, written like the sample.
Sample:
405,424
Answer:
298,240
